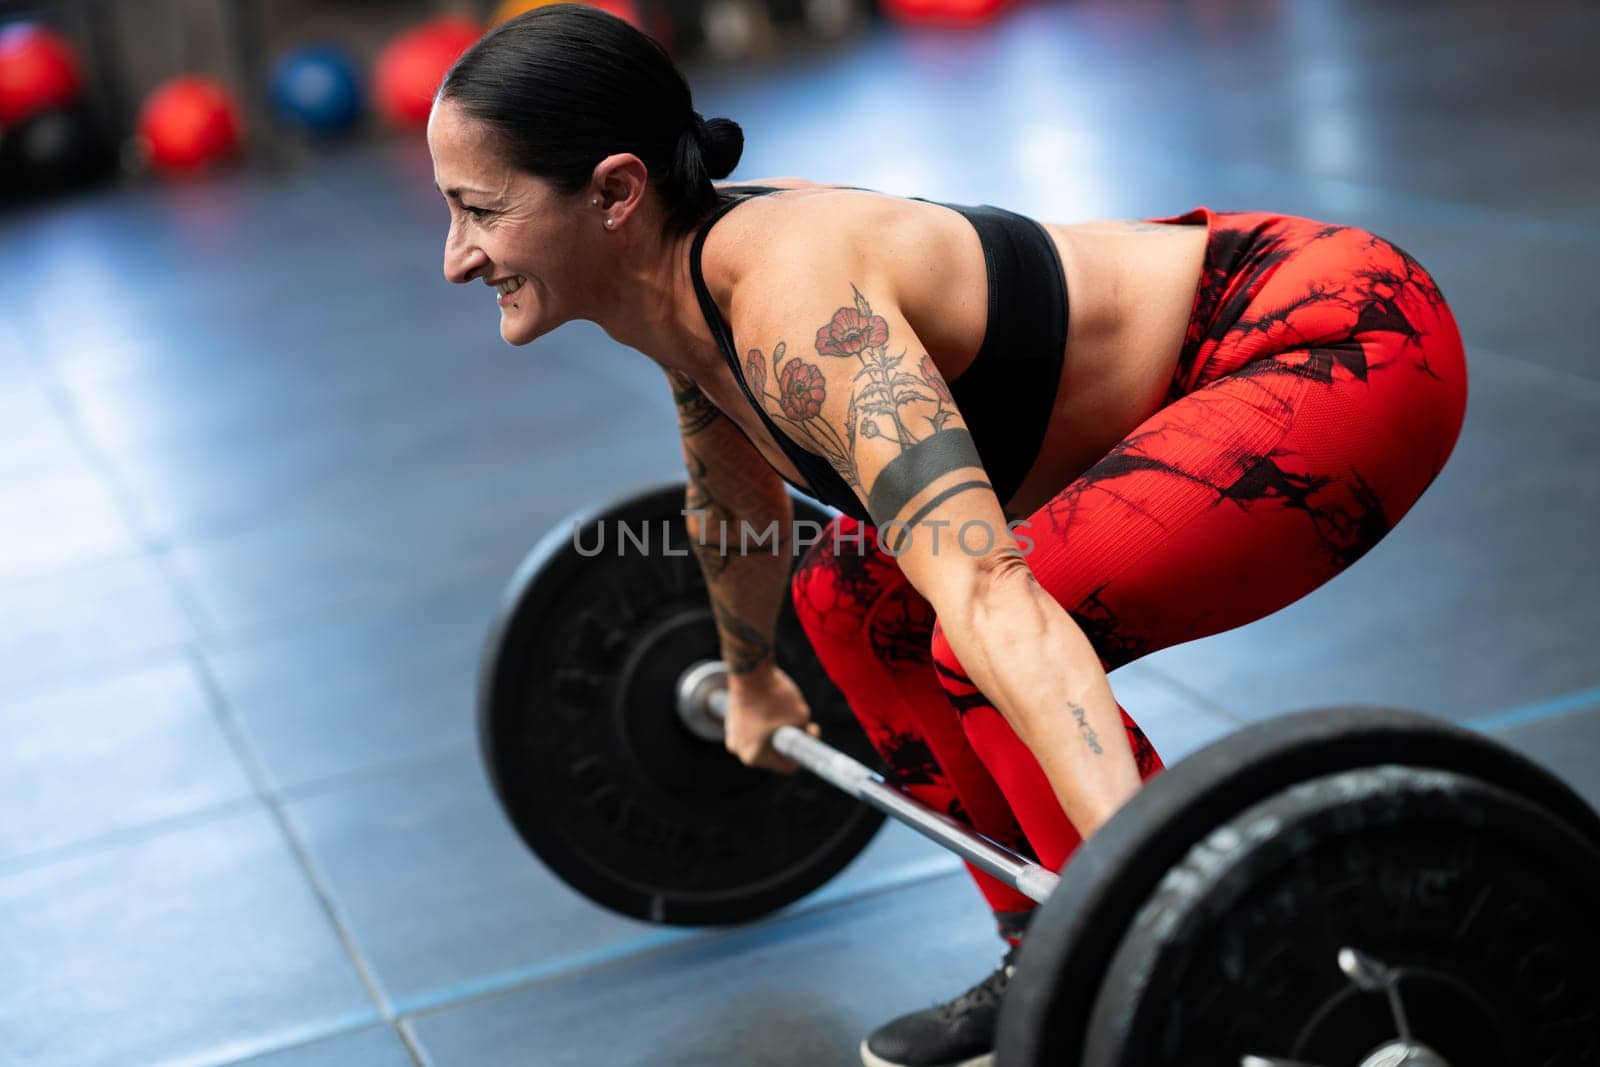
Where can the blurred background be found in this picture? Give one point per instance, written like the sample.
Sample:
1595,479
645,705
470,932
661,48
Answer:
265,475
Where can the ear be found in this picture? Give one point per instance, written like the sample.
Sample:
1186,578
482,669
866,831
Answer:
619,183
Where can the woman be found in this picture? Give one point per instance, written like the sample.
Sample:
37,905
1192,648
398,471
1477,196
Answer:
1236,408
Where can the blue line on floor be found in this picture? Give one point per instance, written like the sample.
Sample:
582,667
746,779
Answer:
1544,709
834,895
560,966
278,1040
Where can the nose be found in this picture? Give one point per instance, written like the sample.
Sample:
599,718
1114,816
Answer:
463,261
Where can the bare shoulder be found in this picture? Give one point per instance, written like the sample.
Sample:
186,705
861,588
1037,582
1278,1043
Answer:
811,247
777,183
784,239
1123,226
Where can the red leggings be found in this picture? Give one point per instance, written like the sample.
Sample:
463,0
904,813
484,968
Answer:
1319,391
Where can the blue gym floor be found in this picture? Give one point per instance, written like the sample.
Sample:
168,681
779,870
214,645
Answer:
266,472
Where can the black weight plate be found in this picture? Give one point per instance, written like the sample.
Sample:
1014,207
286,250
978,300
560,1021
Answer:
599,776
1482,901
1071,940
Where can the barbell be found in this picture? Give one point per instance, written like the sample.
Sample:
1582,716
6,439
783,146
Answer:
1355,887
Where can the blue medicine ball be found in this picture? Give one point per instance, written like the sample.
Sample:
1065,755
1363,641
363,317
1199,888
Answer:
315,87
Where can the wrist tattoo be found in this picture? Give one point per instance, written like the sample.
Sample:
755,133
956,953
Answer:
744,646
1090,738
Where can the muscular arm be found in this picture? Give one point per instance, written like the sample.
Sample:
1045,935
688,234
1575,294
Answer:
732,489
844,375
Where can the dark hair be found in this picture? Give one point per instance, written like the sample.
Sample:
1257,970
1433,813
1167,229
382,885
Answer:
566,85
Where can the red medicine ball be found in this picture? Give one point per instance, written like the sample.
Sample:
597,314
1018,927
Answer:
944,12
189,122
38,71
410,69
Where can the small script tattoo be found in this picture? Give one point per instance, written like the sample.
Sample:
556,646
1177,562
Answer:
1090,738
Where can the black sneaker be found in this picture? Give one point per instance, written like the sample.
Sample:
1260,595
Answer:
958,1033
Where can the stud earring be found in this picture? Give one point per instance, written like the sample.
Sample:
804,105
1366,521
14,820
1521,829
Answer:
609,222
595,202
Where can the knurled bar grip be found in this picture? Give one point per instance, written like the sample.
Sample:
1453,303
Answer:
867,786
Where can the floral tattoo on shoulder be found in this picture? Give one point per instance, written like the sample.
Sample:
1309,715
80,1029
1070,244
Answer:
893,397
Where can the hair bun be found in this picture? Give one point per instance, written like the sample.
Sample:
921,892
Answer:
721,145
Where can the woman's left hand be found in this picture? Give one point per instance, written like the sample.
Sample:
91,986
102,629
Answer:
758,704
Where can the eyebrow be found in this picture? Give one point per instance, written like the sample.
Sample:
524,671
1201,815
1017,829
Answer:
455,194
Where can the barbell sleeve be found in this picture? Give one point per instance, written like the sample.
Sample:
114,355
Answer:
866,785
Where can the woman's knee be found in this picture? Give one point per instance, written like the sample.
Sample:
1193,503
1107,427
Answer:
855,603
952,676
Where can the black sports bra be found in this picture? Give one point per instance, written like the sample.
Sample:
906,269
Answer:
1007,393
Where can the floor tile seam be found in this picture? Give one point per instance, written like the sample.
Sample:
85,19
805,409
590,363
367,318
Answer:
337,416
66,676
1559,706
225,637
128,502
630,952
1529,224
217,635
413,1047
28,862
1567,376
329,491
341,1028
1576,233
661,941
94,456
1510,719
22,863
306,1034
260,779
413,1043
1188,692
219,639
202,534
316,788
233,730
90,561
1562,706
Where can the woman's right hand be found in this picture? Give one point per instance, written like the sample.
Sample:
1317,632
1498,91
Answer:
758,705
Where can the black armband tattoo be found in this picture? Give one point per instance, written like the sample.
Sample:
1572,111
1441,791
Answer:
909,473
927,508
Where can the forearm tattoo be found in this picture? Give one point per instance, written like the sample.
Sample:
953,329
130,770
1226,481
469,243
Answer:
1090,738
695,411
708,547
744,646
894,398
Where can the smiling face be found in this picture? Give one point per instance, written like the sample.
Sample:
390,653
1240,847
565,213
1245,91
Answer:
509,229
